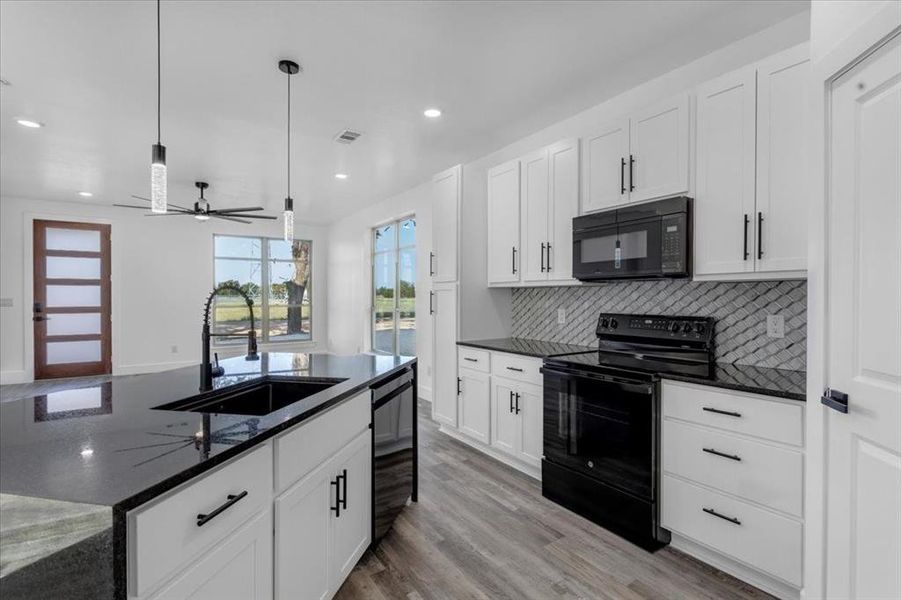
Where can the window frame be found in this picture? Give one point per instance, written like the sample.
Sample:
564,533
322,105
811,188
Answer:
373,253
263,308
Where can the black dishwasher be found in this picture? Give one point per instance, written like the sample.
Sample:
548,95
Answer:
394,438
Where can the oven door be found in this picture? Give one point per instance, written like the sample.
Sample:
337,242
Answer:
618,251
602,427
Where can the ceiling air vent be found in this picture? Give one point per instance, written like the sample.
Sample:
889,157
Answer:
347,136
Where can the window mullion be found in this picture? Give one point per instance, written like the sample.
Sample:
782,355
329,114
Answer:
264,293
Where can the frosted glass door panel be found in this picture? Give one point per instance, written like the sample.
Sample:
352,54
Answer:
82,240
73,352
68,267
73,295
70,400
73,324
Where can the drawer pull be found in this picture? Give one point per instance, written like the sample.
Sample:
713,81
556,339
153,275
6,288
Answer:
203,519
721,412
470,359
723,454
710,511
517,369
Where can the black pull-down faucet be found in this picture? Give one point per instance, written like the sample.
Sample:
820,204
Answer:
207,371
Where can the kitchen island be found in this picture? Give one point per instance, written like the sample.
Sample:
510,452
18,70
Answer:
77,466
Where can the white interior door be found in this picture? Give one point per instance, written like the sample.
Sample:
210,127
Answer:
724,196
783,174
534,207
446,192
503,223
863,504
563,161
605,180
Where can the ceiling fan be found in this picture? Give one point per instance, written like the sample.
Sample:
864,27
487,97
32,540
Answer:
202,210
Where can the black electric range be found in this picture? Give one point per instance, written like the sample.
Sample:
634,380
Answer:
602,419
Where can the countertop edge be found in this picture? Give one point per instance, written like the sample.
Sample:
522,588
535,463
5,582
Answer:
750,389
491,348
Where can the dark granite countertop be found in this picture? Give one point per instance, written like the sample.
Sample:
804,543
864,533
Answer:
108,445
526,347
756,380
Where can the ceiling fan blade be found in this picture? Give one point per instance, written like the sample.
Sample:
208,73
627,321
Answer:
168,203
224,218
245,209
131,206
171,213
243,216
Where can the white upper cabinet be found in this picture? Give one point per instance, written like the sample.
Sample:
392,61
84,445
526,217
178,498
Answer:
605,165
563,162
447,190
534,197
658,147
750,209
724,195
530,218
503,223
783,90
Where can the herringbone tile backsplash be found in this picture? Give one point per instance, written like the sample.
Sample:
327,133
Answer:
740,310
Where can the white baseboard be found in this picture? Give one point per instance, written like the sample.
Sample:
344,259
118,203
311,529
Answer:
7,377
531,471
736,569
424,392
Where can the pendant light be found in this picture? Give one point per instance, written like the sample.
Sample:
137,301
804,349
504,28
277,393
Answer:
158,152
289,68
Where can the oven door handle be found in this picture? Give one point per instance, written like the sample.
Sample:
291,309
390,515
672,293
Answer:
625,385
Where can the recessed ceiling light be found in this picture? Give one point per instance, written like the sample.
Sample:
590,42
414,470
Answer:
340,175
27,123
85,194
432,113
87,452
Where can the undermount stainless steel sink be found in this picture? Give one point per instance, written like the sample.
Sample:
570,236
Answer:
264,397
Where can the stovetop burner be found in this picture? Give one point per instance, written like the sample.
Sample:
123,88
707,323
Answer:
649,344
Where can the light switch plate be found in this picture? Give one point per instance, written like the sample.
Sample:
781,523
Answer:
775,326
561,316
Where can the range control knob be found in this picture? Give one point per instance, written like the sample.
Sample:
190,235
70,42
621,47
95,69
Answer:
604,323
674,327
699,328
613,324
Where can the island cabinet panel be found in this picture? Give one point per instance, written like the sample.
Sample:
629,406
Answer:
167,534
301,449
238,567
322,524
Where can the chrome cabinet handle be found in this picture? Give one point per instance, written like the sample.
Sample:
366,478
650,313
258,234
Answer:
231,500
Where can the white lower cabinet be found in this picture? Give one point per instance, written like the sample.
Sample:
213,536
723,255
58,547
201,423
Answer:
516,418
322,525
238,567
732,482
475,405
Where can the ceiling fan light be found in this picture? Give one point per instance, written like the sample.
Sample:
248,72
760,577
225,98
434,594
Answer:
202,217
158,190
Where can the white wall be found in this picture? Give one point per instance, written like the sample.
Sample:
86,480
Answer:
350,276
162,271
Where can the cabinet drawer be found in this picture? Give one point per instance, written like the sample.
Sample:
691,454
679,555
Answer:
749,414
164,535
759,472
518,368
300,450
759,538
473,358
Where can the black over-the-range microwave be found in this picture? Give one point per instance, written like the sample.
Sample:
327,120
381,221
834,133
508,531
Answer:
645,241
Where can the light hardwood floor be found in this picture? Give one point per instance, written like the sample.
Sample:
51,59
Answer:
483,530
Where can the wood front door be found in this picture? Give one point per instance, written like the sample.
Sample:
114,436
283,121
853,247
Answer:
72,336
863,434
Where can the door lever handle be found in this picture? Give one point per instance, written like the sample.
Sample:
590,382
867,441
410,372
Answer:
835,400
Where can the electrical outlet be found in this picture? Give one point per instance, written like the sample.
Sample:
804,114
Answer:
775,326
174,349
561,316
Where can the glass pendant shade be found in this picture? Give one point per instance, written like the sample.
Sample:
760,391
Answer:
158,179
289,219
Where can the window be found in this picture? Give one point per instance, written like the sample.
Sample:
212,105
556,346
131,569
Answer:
394,288
277,275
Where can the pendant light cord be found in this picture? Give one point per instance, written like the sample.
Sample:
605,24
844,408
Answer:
289,135
158,73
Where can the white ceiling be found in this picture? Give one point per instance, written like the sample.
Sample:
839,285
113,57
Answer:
498,70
